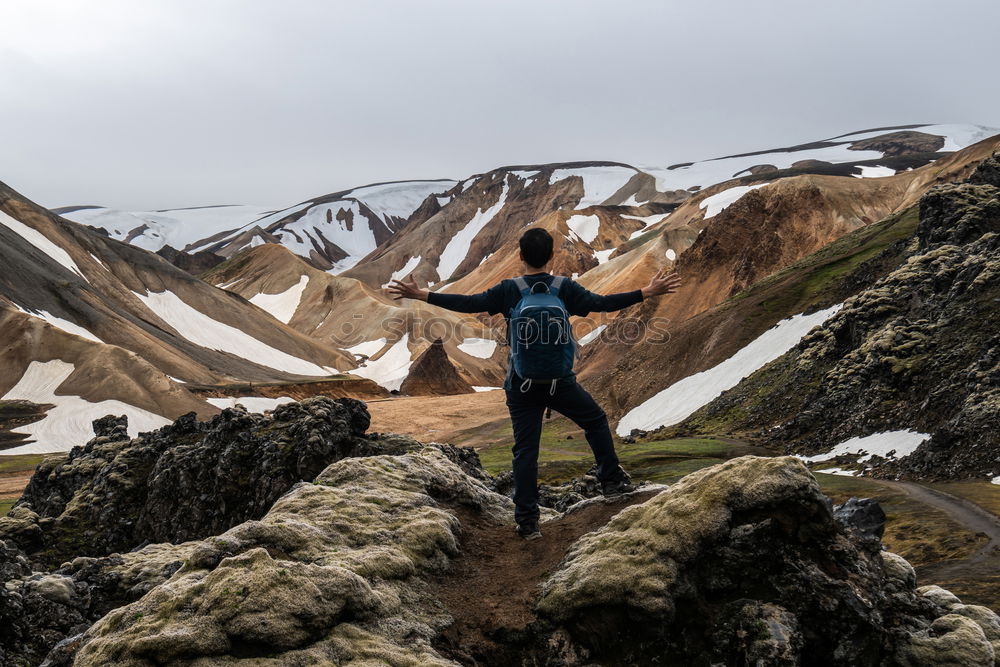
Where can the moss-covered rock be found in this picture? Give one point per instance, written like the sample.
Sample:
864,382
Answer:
333,572
740,563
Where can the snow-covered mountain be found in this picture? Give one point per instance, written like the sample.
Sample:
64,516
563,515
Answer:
177,228
336,231
325,232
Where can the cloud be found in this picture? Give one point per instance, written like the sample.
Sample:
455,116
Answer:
177,103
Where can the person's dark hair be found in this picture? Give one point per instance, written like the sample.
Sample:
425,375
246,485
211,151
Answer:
536,246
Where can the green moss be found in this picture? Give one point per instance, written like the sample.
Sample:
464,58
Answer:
20,462
814,280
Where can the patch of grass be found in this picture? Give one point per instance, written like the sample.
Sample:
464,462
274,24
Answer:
661,461
20,462
980,492
5,506
918,533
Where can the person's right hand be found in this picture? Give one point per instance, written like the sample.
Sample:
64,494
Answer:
662,283
407,290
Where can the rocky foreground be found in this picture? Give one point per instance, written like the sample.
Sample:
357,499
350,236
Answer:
296,538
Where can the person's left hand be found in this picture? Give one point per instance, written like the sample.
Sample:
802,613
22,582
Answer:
662,283
407,290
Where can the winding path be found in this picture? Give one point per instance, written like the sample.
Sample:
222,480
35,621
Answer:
964,512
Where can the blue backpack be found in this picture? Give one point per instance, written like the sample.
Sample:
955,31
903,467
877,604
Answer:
541,343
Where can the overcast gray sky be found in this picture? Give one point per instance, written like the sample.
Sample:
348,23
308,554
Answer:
166,103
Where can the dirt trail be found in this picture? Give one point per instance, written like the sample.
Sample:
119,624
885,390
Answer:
976,579
963,511
492,587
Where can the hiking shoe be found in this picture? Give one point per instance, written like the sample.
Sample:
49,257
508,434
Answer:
617,485
528,531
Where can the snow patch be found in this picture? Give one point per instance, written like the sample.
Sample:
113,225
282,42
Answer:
902,443
481,388
411,264
959,136
60,323
42,242
282,306
719,202
201,329
874,172
367,348
391,368
599,183
681,399
603,255
584,227
710,172
527,176
478,347
458,246
69,423
592,335
839,471
177,228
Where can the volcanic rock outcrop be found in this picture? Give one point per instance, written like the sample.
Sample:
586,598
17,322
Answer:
187,480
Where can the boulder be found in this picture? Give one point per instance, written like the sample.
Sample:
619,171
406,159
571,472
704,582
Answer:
739,563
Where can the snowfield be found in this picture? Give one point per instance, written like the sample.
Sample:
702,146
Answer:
391,368
367,348
599,183
899,443
42,242
681,399
69,423
202,330
404,271
458,246
177,228
709,172
603,255
719,202
282,306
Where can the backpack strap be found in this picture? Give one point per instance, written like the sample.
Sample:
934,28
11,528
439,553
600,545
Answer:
522,285
556,284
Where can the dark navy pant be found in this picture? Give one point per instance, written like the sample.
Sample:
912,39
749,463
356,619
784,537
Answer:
526,414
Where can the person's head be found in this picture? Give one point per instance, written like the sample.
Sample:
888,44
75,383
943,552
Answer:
536,247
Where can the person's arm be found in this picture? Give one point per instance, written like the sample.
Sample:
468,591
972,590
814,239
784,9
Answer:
490,301
584,301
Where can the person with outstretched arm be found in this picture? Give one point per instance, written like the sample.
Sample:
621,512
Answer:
528,398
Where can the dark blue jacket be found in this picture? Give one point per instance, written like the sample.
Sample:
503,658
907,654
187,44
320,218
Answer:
502,297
